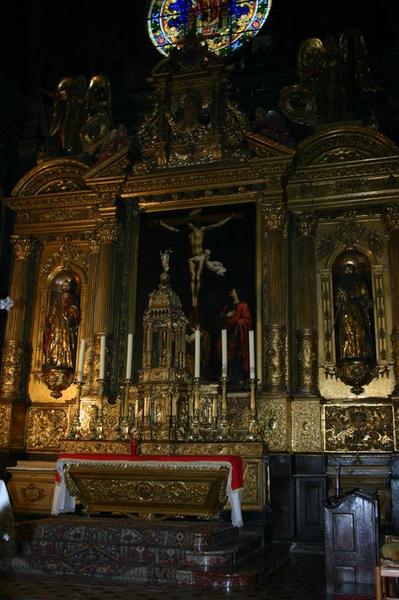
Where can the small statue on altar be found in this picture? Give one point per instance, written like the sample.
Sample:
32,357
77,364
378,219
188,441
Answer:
165,256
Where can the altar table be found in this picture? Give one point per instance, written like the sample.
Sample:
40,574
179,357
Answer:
65,502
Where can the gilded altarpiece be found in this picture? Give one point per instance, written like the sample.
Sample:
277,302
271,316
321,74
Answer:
330,204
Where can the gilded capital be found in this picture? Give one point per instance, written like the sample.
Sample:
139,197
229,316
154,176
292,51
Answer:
307,224
23,247
107,232
276,217
94,244
391,218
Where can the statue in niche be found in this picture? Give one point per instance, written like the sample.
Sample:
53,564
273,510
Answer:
353,325
61,326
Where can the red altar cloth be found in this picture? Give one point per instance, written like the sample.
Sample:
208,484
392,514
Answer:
235,461
64,502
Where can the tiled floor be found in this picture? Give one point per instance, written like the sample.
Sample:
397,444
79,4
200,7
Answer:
300,578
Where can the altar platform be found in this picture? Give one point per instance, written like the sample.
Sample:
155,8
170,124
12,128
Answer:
203,554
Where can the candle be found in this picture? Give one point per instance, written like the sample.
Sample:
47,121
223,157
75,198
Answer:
81,360
102,357
197,337
251,355
129,356
214,407
224,352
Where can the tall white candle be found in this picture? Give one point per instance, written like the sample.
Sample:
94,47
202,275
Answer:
224,352
251,355
197,337
129,357
102,357
81,360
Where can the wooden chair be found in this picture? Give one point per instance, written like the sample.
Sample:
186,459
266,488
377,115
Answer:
387,570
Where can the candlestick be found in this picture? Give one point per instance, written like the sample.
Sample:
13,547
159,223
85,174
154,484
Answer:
82,351
224,352
197,337
251,340
102,357
129,356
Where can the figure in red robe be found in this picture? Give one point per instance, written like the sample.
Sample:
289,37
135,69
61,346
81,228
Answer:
237,319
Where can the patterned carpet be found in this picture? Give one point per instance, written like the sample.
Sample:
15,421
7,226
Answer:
300,578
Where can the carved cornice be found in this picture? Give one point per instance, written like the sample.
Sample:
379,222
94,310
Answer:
56,175
67,201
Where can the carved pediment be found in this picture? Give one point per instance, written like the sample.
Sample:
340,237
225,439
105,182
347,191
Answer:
266,147
116,165
52,176
343,142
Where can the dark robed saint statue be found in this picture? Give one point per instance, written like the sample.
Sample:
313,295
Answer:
353,317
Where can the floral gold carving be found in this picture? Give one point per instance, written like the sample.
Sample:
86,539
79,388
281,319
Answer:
251,484
95,446
107,232
46,427
67,255
274,423
275,354
23,247
376,242
306,436
391,218
395,352
5,420
359,428
307,361
349,231
12,369
275,217
325,246
307,223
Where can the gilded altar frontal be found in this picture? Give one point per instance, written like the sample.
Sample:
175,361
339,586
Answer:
132,253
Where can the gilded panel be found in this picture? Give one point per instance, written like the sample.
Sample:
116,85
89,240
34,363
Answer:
359,428
273,419
306,430
252,483
46,427
5,419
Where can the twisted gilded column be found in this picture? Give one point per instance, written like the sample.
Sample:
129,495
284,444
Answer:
306,313
392,227
276,275
14,354
107,234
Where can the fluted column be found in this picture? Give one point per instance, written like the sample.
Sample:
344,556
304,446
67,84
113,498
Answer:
104,298
276,253
14,354
88,333
392,227
306,312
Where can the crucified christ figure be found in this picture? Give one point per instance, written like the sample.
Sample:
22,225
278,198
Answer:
199,256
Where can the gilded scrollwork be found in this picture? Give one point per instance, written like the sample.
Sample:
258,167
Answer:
349,231
46,427
12,368
391,218
376,243
275,217
107,232
306,436
359,428
307,224
5,420
251,484
325,246
275,357
307,361
274,423
67,255
23,247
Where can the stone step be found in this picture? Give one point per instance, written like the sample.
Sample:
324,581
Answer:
191,535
